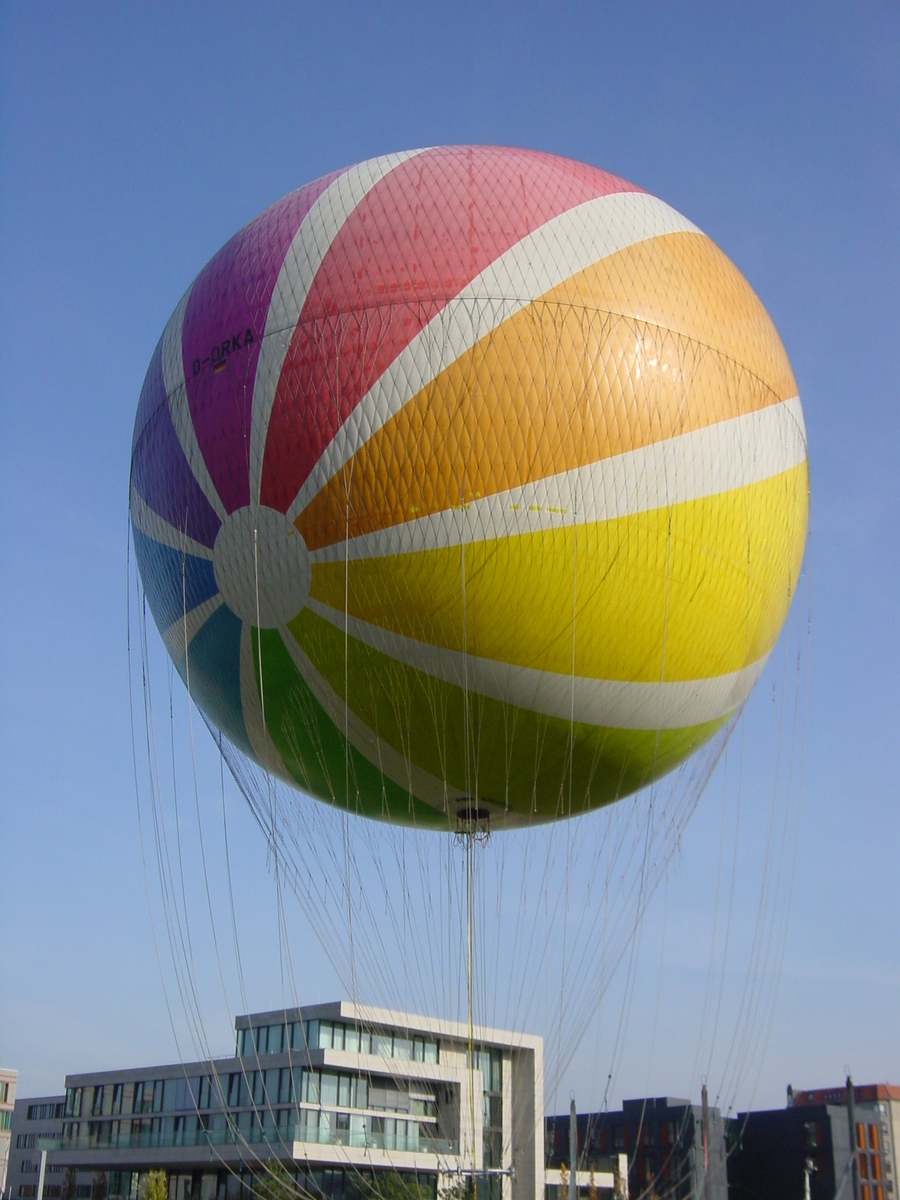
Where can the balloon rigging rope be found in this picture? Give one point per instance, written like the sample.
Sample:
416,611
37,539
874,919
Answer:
303,844
154,791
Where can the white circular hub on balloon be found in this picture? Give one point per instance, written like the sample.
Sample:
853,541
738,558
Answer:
262,566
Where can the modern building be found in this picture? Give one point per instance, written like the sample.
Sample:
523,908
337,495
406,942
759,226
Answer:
336,1092
773,1150
7,1104
877,1133
675,1150
34,1120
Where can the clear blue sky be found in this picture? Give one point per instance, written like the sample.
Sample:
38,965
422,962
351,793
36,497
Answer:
137,138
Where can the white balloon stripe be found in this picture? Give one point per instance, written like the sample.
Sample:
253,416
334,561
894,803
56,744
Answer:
304,257
182,632
390,762
608,703
705,462
252,711
554,252
176,393
147,521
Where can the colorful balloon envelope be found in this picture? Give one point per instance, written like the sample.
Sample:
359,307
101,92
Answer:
469,484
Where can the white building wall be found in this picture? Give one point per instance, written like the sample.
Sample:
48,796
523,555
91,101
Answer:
8,1080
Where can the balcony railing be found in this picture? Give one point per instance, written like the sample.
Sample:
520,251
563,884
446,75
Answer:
167,1139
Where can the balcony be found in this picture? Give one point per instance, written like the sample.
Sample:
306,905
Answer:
282,1137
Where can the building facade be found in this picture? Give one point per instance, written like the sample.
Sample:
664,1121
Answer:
34,1120
876,1135
7,1104
675,1150
773,1150
337,1093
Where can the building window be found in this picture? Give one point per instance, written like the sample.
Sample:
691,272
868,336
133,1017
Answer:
44,1112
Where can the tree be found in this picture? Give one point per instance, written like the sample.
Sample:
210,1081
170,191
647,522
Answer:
69,1184
391,1185
99,1186
563,1182
155,1186
274,1182
462,1188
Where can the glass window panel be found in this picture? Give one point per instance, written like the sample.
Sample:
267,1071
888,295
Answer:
276,1039
383,1045
496,1071
431,1050
344,1091
329,1089
402,1047
312,1035
325,1035
273,1076
258,1077
351,1039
